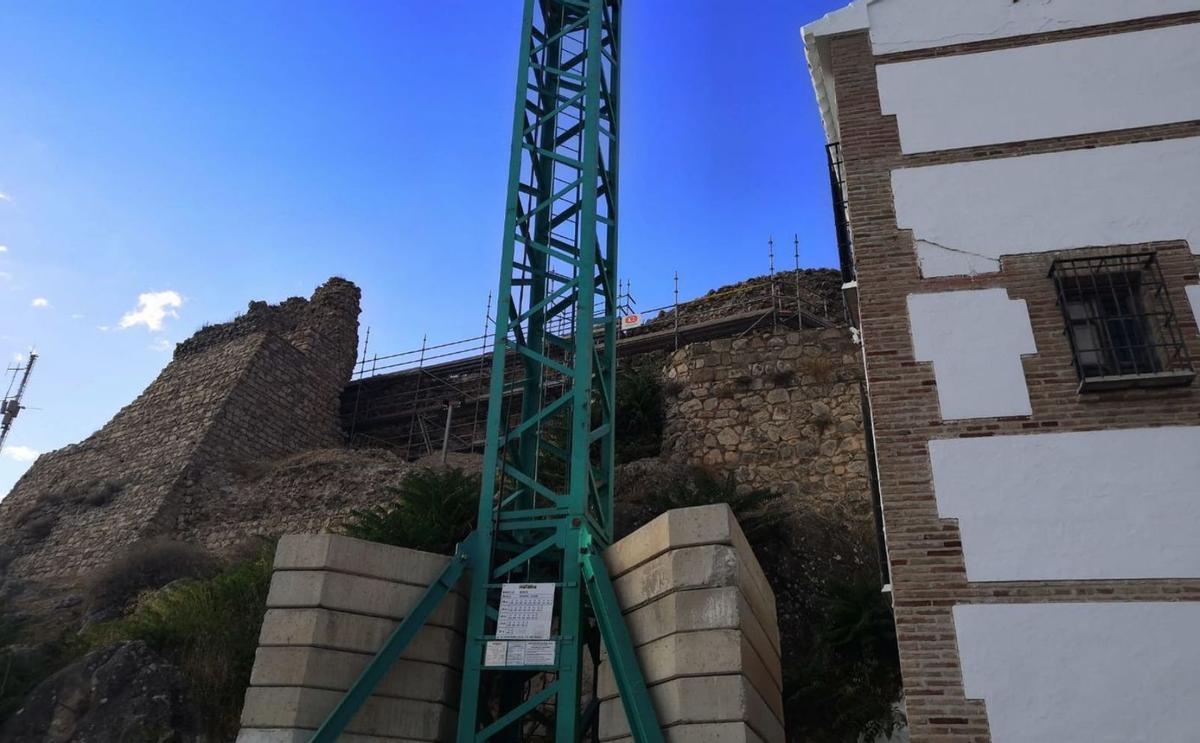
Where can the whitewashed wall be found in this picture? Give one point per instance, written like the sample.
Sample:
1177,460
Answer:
1048,90
900,25
964,216
1193,294
1095,672
1074,506
979,374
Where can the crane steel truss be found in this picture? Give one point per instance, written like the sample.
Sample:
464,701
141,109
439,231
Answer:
546,502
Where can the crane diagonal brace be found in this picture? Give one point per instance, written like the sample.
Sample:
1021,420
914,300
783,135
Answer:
396,644
635,697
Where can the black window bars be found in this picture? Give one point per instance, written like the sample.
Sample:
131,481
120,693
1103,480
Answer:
1121,322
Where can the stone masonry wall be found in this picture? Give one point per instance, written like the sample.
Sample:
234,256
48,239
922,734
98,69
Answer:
781,409
262,386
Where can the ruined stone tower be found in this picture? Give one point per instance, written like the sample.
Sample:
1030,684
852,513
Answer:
262,386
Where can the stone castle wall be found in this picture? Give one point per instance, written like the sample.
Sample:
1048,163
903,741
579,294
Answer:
239,437
782,410
260,387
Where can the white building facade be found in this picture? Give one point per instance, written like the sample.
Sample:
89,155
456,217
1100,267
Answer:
1017,188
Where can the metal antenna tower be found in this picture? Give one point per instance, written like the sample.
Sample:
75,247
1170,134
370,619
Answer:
546,502
11,406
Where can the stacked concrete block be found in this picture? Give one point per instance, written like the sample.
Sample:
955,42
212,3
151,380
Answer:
702,619
333,602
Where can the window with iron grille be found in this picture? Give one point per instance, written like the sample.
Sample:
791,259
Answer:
1121,322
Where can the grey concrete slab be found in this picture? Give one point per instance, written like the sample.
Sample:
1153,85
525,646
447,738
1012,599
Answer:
358,595
704,653
299,735
356,633
358,557
338,670
706,566
709,732
287,706
699,609
700,699
689,527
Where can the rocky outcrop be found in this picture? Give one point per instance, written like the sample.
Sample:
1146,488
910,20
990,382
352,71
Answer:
120,693
261,387
300,493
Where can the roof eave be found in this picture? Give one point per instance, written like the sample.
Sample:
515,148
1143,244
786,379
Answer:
816,35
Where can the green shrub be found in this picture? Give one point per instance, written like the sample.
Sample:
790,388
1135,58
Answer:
26,662
638,427
145,565
847,687
758,511
209,629
434,511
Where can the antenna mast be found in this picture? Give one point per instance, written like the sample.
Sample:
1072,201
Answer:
11,406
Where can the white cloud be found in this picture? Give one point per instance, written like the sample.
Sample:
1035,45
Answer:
5,197
103,328
21,453
162,344
3,248
76,316
5,276
41,302
152,309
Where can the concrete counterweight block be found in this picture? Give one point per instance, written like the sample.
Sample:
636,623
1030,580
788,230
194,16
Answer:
333,602
702,619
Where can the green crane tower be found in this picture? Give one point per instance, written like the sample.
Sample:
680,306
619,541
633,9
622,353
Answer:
540,596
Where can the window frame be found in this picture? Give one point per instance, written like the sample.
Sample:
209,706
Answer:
1120,322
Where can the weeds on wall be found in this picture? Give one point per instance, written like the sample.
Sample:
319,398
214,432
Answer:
433,511
208,628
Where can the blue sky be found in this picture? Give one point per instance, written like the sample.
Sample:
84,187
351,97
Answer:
207,154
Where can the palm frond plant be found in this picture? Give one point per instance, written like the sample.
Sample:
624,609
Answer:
434,510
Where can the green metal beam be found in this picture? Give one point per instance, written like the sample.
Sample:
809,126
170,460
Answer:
545,506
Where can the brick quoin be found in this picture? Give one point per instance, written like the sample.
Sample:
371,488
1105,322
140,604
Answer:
927,567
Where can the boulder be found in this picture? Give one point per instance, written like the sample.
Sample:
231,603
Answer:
122,692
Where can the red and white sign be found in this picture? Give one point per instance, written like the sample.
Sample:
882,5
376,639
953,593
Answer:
628,322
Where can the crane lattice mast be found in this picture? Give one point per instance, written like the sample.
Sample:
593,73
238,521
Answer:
11,406
541,599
